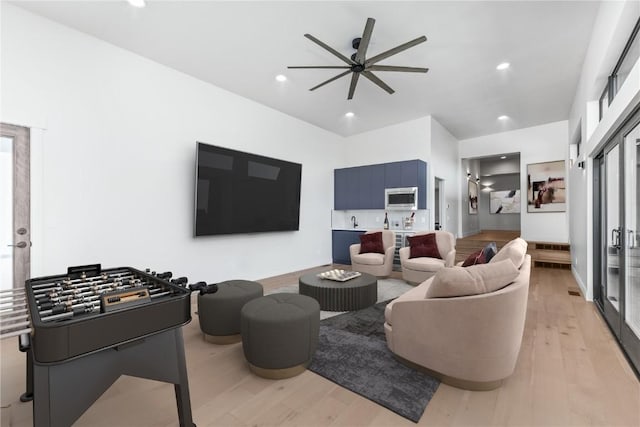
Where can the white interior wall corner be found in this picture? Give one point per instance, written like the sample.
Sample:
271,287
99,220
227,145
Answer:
118,158
445,164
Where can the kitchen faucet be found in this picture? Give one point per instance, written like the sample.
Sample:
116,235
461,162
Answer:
354,221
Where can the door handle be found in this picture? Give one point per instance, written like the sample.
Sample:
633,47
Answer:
20,245
615,238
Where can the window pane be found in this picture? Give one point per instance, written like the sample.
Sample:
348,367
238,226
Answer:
628,62
604,101
632,220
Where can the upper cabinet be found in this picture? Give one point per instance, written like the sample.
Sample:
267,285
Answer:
359,188
363,187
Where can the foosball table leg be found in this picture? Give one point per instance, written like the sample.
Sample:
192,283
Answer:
184,411
25,347
183,400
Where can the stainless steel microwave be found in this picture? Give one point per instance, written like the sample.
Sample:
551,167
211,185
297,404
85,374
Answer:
401,198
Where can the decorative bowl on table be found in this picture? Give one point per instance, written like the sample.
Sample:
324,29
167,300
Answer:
339,275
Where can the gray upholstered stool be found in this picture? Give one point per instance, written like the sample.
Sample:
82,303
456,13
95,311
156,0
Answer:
280,334
219,313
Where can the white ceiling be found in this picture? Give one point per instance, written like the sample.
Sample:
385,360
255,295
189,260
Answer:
241,46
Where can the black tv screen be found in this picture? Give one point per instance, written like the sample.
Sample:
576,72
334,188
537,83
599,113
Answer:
239,192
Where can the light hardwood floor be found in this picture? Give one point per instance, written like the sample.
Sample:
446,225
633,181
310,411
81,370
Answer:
570,372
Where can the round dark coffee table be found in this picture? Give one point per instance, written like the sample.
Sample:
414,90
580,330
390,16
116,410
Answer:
354,294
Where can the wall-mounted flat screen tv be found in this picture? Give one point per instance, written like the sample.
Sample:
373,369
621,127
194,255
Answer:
239,192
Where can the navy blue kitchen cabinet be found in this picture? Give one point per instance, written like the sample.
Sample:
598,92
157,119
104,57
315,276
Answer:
346,186
353,186
364,190
363,187
393,175
409,174
370,187
340,196
404,174
376,197
340,242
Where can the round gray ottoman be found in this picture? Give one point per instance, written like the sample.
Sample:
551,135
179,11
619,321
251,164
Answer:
280,334
219,313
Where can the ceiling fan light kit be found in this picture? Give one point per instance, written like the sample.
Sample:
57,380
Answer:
358,64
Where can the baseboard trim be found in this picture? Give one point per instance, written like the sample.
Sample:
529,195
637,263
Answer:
582,286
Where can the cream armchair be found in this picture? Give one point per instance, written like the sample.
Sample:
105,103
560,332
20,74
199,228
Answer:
376,264
417,270
471,341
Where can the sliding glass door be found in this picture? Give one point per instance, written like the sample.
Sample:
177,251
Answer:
631,324
617,240
613,248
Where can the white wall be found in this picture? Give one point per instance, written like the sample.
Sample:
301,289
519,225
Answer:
404,141
612,29
445,164
535,144
500,167
118,158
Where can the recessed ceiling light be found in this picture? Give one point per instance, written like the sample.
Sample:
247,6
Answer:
281,78
503,117
137,3
349,114
503,157
503,66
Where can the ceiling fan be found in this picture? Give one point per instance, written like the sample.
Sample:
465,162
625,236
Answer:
358,64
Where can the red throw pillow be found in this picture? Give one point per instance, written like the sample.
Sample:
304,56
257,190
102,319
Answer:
475,258
371,242
424,246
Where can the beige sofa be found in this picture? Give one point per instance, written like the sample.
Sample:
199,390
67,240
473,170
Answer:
471,341
417,270
379,265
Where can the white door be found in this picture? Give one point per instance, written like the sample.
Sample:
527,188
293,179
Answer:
15,230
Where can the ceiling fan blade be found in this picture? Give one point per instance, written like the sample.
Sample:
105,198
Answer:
396,68
338,67
364,41
331,79
354,82
376,80
330,49
395,50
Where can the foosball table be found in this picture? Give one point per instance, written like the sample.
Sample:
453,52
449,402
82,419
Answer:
90,326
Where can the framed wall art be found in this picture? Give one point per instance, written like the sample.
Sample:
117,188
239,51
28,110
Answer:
504,202
473,197
546,190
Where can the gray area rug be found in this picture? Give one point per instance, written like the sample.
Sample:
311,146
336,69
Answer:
352,352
